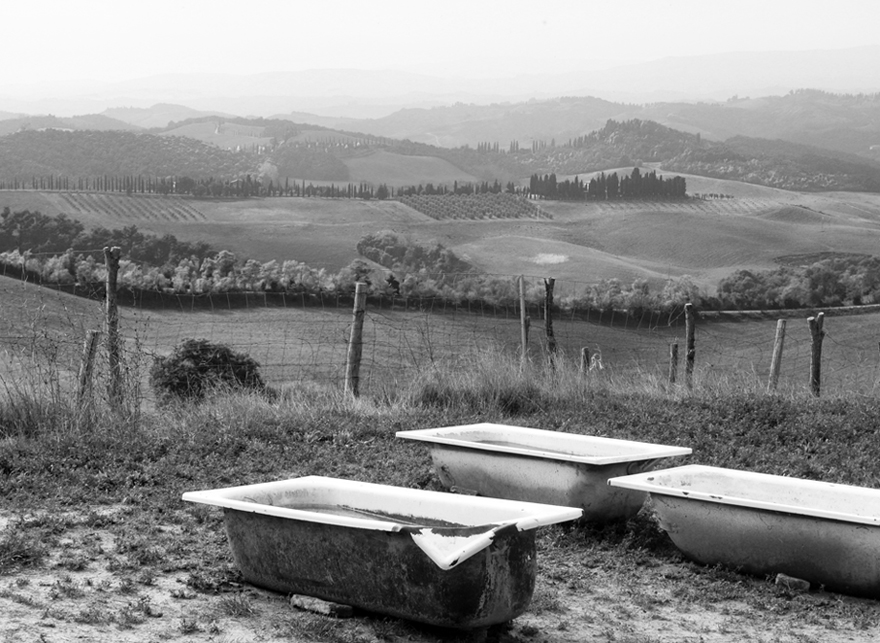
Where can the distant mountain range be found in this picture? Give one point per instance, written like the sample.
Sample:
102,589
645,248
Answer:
99,122
358,93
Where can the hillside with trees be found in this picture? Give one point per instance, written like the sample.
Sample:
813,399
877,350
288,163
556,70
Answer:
841,122
280,152
847,123
35,233
789,166
92,153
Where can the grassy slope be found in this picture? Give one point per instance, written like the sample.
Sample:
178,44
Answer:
41,329
309,345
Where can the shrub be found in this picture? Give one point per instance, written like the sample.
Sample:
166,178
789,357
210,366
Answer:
197,366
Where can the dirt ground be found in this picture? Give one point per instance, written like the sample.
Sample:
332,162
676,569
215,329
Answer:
81,592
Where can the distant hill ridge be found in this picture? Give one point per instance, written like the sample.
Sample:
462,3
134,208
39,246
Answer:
91,153
278,150
842,122
73,123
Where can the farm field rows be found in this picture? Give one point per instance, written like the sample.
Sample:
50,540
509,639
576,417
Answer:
140,207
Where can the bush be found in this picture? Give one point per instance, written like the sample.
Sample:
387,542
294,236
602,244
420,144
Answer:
197,366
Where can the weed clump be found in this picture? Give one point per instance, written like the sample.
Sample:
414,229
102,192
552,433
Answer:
198,366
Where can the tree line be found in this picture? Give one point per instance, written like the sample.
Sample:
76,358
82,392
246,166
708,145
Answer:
27,232
59,250
248,186
46,249
607,187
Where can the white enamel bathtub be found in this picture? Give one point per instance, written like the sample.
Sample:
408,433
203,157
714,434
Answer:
827,534
542,466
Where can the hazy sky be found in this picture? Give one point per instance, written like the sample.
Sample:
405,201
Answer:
114,40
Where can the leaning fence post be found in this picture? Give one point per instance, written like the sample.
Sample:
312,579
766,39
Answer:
816,334
585,360
86,367
673,362
548,316
776,360
356,341
691,350
524,322
111,260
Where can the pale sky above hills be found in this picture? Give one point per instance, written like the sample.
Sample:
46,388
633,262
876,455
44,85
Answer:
108,40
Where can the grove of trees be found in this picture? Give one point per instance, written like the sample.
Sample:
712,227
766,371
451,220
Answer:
36,233
608,187
833,281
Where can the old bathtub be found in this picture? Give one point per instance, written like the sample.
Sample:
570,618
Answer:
827,534
541,466
427,556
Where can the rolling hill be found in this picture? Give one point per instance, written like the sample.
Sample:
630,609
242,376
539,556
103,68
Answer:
281,151
581,243
157,116
92,153
73,123
839,122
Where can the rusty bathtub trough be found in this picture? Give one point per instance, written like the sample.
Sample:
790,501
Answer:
824,533
542,466
434,557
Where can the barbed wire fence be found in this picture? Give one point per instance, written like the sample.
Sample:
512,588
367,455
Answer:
303,341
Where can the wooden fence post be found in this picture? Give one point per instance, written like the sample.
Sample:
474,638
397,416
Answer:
356,341
673,362
817,332
776,360
524,322
86,367
111,322
548,317
690,350
585,360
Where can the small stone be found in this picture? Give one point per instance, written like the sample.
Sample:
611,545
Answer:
792,584
319,606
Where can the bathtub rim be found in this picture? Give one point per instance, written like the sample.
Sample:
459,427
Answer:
637,450
532,514
441,544
644,482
